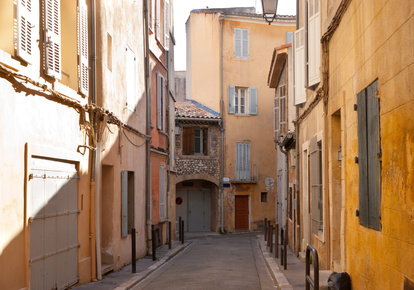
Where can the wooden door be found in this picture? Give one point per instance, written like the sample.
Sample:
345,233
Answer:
242,212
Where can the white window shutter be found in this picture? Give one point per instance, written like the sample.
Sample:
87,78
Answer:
253,101
158,19
276,117
124,203
52,41
162,193
160,102
167,25
25,30
314,44
232,103
152,14
299,44
245,44
237,43
83,47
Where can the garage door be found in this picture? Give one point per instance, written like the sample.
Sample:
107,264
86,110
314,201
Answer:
53,213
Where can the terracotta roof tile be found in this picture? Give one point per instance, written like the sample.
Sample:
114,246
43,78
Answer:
195,110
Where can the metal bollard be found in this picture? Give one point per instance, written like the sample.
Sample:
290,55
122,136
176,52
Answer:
134,253
154,243
271,238
182,232
281,248
265,229
276,241
179,229
268,233
169,236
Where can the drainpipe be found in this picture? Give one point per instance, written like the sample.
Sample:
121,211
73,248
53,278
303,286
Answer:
222,127
287,185
147,126
95,161
167,56
297,127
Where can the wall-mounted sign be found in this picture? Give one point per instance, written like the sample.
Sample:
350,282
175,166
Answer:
178,200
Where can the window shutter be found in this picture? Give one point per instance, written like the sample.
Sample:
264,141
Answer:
299,44
158,19
316,183
167,25
314,44
374,164
362,158
242,161
205,141
162,192
245,44
83,47
160,102
237,43
232,104
276,116
152,14
124,203
25,30
52,41
253,101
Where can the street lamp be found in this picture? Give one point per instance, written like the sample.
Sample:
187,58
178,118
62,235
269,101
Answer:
269,10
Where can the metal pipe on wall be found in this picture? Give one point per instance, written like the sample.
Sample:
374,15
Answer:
222,127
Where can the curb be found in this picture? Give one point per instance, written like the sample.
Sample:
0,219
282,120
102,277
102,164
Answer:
280,279
138,277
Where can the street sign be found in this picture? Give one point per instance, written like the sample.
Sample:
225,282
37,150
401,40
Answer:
226,179
226,185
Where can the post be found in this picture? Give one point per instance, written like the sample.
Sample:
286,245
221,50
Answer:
281,248
309,282
134,253
169,236
182,232
154,244
271,238
179,229
285,248
277,241
268,229
265,229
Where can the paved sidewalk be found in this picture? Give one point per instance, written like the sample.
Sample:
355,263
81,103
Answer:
124,279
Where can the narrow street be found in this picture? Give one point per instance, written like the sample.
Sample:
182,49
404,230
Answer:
232,261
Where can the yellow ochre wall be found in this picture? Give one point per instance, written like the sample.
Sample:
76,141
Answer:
375,40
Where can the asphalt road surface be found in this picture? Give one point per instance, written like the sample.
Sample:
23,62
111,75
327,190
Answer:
231,261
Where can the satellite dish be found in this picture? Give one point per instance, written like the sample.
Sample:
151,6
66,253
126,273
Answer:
269,181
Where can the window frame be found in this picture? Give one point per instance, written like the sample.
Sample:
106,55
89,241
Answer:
241,43
188,135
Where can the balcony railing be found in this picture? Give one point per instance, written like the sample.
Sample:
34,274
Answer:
248,173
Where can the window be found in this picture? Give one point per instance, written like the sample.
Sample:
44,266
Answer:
316,185
263,197
195,141
299,44
166,25
276,116
158,19
290,207
52,41
283,110
314,44
131,79
369,157
127,202
243,161
83,47
241,43
242,101
151,10
162,193
160,102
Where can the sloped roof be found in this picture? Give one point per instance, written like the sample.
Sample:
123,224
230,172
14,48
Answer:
194,110
278,59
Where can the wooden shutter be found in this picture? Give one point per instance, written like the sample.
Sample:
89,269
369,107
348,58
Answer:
52,41
188,141
245,43
160,102
237,43
253,101
83,47
205,141
232,103
314,43
316,185
25,30
362,158
166,25
158,19
299,44
124,203
242,161
162,193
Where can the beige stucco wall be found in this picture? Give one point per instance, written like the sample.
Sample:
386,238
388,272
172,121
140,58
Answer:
374,41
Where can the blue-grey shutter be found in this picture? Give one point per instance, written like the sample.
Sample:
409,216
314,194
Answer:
237,43
362,158
124,203
374,151
243,161
232,104
245,43
160,102
253,101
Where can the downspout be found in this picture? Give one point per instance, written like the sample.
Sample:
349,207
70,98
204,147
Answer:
297,131
147,126
95,160
287,185
222,127
167,55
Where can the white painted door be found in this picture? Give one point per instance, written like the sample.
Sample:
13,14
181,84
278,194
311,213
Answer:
199,216
53,213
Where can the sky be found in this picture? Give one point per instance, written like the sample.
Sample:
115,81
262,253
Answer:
182,10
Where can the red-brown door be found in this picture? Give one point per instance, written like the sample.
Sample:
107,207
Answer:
242,212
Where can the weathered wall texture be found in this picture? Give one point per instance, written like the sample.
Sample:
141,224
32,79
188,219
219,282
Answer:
375,41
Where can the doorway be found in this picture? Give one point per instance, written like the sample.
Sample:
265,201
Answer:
242,212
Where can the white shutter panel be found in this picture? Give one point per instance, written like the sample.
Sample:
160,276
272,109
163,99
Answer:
83,47
167,25
300,90
158,19
245,43
162,192
253,101
232,104
237,43
314,44
124,204
276,116
25,30
52,40
160,100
